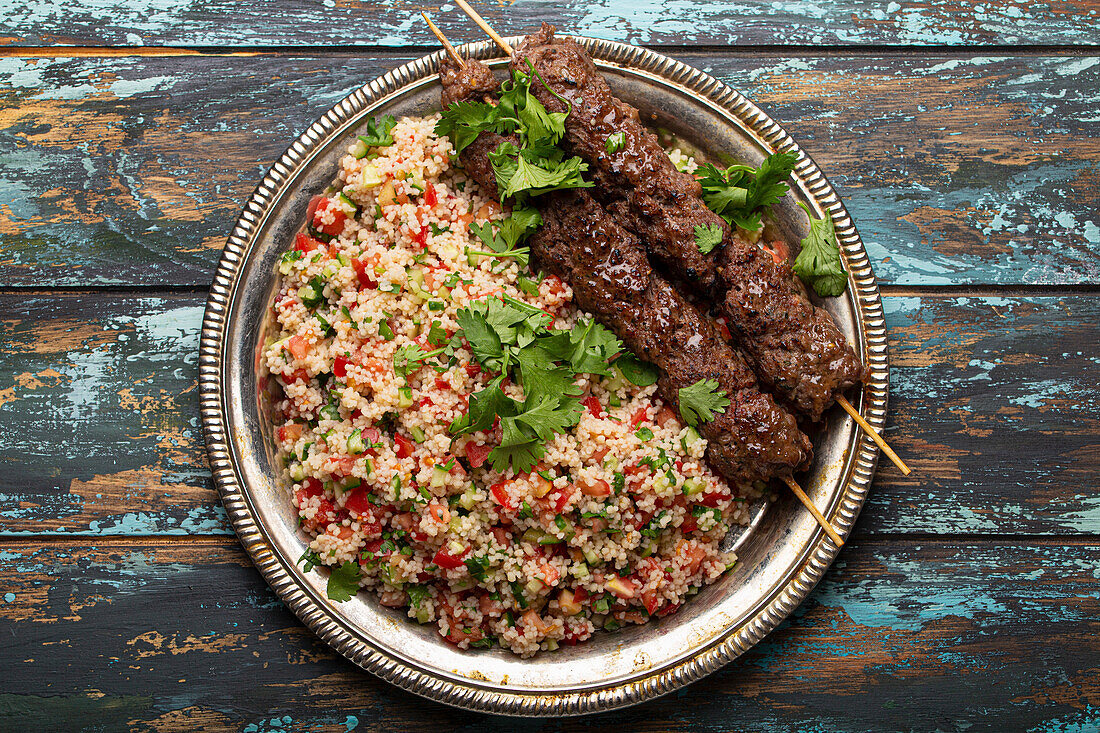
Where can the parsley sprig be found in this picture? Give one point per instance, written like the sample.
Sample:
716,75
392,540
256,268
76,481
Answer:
502,238
739,193
818,264
699,402
537,165
512,339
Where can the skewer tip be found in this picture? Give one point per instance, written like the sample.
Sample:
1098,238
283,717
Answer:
474,16
879,440
808,503
443,40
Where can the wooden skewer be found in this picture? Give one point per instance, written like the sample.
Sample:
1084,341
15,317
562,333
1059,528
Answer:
484,26
443,39
851,410
806,502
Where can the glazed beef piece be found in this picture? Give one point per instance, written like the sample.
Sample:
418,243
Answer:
794,347
611,278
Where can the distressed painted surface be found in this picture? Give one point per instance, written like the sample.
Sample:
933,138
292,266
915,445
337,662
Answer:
899,636
957,170
997,415
680,22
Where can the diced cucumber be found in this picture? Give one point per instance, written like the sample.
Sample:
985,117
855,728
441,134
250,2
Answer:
297,471
468,499
417,433
591,556
536,536
551,644
693,486
534,585
346,205
356,444
690,437
439,477
616,381
404,398
358,150
579,571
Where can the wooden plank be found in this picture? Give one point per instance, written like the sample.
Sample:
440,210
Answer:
899,636
993,404
652,22
957,170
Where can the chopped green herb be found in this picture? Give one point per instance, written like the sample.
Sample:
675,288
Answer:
343,583
818,264
700,401
708,237
378,132
615,142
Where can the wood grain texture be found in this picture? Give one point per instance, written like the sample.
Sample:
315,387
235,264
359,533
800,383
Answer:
899,636
221,23
970,170
997,415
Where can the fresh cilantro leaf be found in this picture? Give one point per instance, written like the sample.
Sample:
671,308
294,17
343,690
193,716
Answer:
541,378
485,406
615,142
417,594
587,347
740,192
639,372
309,560
378,132
708,237
436,335
519,446
548,417
818,264
462,122
483,339
343,583
525,171
407,358
519,225
700,401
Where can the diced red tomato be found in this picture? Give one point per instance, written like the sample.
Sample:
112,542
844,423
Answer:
312,208
651,601
446,560
404,447
289,433
561,498
476,454
362,271
689,525
580,595
421,237
594,487
500,534
297,346
298,375
312,487
326,513
600,454
322,207
664,416
305,243
531,618
500,493
372,434
441,383
358,502
593,406
458,633
430,197
711,499
439,512
691,555
473,369
668,610
638,417
340,366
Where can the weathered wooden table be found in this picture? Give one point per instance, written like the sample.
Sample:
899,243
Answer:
965,137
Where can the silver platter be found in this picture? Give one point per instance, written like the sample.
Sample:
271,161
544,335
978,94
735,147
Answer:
783,554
